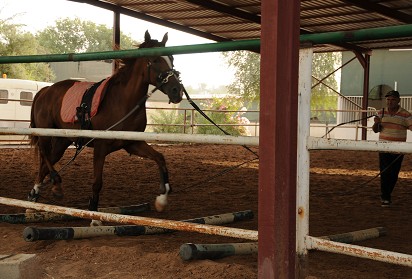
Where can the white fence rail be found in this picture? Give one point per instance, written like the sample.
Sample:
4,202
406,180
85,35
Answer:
124,135
191,122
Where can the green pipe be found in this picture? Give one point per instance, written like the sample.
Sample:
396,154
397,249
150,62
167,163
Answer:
320,38
129,53
359,35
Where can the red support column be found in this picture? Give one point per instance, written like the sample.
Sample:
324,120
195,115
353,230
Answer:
365,100
278,138
116,37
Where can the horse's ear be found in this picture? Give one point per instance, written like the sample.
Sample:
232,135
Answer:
147,37
165,37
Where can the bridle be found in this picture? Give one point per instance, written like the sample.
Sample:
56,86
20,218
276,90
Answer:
163,77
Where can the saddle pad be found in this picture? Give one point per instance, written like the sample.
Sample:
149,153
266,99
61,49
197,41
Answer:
73,97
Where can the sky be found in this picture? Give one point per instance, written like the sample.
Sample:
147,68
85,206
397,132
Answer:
208,68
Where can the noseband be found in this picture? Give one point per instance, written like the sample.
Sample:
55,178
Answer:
163,77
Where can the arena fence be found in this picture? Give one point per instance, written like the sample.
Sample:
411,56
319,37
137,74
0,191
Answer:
306,143
304,241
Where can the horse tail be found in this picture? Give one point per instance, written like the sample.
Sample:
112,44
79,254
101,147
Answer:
34,139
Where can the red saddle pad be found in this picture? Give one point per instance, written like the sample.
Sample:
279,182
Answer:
73,97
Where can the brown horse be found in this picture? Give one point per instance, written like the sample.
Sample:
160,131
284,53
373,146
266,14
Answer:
122,109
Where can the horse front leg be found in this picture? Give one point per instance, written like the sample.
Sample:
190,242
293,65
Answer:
98,163
144,150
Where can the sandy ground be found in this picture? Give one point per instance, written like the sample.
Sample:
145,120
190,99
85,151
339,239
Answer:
342,200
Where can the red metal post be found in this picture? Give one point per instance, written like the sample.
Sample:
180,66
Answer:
116,37
278,138
365,99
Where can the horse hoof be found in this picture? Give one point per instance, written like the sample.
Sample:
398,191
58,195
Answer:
57,192
160,203
96,223
33,196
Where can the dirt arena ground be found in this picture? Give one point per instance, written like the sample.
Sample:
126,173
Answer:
341,201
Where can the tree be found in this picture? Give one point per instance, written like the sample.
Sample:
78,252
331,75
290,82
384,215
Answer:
75,36
323,96
247,78
247,74
14,41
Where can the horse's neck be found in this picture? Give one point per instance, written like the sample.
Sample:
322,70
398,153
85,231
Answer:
134,91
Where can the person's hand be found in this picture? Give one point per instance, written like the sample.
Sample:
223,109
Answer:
377,119
377,126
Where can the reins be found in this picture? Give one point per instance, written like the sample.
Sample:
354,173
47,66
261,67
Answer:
216,175
359,186
196,107
344,123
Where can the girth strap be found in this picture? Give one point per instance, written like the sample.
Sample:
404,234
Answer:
83,111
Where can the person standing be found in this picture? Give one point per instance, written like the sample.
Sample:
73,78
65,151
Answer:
392,124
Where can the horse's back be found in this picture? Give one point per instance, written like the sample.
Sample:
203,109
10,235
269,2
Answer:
55,92
47,104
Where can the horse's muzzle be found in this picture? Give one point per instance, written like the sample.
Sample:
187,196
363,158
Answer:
175,95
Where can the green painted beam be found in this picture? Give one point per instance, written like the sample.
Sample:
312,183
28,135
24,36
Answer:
380,33
320,38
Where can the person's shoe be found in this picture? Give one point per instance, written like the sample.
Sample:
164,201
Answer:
386,203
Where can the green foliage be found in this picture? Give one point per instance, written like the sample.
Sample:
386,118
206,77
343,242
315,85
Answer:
14,41
66,36
75,35
323,95
220,118
171,118
247,75
247,79
175,119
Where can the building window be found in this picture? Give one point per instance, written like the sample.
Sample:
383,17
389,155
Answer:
4,94
26,98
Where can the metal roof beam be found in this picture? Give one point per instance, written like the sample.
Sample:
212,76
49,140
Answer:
212,5
380,9
151,19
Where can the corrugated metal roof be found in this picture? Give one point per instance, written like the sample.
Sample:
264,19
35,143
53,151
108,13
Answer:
225,20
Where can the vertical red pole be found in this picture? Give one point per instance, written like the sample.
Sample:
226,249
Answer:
278,138
366,71
116,37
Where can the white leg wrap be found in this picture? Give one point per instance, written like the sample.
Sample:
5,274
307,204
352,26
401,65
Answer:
167,188
37,187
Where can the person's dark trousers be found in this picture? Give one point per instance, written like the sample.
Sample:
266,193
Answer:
393,163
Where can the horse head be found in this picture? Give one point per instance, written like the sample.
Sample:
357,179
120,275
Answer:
161,71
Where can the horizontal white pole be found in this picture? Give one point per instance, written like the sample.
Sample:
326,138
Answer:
315,143
315,243
127,135
135,220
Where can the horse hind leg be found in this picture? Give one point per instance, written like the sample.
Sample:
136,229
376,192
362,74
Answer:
34,193
99,157
144,150
50,152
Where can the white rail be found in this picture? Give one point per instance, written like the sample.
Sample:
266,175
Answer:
124,135
316,243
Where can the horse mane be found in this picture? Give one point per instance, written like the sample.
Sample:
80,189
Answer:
123,71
